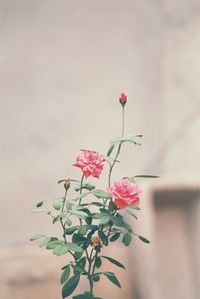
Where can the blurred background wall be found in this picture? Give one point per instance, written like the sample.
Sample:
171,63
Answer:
63,66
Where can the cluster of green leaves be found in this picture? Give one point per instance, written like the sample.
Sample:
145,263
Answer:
90,221
104,221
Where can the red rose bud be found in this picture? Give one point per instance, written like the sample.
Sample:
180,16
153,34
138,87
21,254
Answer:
123,99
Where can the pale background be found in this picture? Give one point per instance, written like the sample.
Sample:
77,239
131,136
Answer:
63,65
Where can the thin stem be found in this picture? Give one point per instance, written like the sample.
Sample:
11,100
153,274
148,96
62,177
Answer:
61,221
81,189
90,273
118,150
123,121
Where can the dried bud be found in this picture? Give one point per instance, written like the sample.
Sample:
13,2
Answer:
123,99
67,185
96,241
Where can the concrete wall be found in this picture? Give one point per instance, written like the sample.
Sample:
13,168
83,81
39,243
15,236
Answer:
63,66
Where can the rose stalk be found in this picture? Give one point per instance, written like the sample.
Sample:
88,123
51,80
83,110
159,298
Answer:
101,216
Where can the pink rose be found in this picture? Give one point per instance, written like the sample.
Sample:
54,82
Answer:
123,99
125,193
90,162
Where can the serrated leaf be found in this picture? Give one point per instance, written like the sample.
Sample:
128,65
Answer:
52,244
111,276
127,239
115,262
65,274
70,286
74,247
61,249
144,239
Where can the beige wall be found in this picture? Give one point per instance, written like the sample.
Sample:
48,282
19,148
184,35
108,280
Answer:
63,66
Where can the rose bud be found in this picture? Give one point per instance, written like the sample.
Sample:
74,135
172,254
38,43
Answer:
123,99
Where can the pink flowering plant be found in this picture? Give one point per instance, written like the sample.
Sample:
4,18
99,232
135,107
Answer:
92,219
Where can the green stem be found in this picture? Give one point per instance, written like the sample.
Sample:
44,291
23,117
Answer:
90,273
118,150
61,221
81,189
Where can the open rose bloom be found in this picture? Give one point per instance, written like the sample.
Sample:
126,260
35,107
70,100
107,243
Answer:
90,162
125,193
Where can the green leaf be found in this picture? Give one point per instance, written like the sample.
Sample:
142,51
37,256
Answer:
71,230
78,239
134,208
101,194
70,285
79,214
131,213
39,204
40,211
144,239
82,195
114,261
55,214
98,262
111,148
80,265
128,138
103,237
95,203
68,221
83,230
104,220
54,244
58,203
61,249
127,227
127,239
117,220
74,247
111,276
44,242
36,237
115,237
87,186
65,274
96,277
85,296
69,205
146,176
